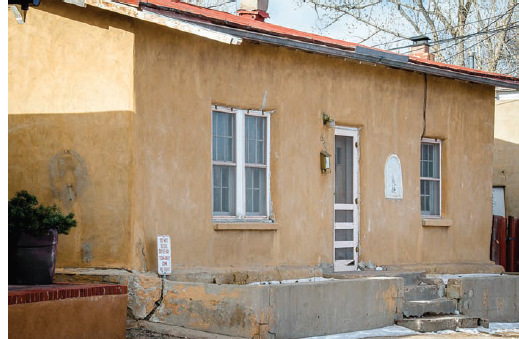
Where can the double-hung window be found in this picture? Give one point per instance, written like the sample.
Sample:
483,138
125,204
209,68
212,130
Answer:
240,161
430,178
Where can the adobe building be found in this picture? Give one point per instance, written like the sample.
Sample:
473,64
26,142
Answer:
254,147
506,153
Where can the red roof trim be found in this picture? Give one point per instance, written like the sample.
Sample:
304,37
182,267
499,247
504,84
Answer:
456,68
237,21
231,20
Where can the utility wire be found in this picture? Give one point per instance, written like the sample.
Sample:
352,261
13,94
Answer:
467,48
465,37
446,29
487,32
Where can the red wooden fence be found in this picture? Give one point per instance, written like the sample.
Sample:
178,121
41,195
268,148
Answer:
504,245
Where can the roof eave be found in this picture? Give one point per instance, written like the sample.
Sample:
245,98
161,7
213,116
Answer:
352,55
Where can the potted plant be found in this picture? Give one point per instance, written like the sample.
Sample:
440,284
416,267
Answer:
33,239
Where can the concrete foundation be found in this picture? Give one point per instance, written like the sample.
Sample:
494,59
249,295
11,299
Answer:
346,302
284,310
495,298
259,311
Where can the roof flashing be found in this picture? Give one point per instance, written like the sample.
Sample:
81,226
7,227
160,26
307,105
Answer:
376,53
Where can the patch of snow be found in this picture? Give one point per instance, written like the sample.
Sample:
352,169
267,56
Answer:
494,328
399,331
388,331
499,327
291,281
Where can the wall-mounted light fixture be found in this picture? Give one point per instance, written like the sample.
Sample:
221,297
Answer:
20,8
328,120
325,162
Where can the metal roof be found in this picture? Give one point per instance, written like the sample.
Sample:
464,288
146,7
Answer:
239,28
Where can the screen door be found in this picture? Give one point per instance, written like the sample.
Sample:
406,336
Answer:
346,218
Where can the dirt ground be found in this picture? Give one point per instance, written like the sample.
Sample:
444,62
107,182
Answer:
141,333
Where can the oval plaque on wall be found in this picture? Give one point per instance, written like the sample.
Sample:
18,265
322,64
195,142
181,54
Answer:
393,178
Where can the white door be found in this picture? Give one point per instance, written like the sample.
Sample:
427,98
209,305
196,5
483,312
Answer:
346,220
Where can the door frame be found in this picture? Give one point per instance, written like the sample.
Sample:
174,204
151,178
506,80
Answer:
339,266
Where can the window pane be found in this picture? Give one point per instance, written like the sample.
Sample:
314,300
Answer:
251,158
217,199
229,149
430,197
224,178
430,161
430,189
254,139
344,170
434,191
435,150
344,253
248,190
223,136
343,235
255,191
343,216
260,152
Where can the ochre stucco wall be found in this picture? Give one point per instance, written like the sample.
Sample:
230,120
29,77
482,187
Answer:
68,59
71,108
506,153
178,77
167,138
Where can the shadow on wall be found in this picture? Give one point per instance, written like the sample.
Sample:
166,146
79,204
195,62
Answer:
83,163
506,173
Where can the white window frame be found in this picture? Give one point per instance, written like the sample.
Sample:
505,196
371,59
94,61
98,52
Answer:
439,180
240,208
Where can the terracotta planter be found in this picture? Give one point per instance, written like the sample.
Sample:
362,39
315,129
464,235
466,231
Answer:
36,258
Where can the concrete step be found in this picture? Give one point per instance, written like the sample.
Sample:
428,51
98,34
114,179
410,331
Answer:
419,308
412,278
421,292
440,323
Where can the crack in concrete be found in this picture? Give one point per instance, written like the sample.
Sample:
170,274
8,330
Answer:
158,303
145,262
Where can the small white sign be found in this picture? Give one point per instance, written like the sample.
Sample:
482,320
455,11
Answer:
164,254
393,178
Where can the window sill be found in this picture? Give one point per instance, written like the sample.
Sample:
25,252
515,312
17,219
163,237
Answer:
436,222
246,226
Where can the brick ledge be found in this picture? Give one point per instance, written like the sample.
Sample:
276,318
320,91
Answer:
25,294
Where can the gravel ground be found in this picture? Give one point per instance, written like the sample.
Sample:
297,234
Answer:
141,333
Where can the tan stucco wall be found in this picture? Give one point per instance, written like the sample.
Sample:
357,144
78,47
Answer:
173,164
67,59
506,153
178,76
70,124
